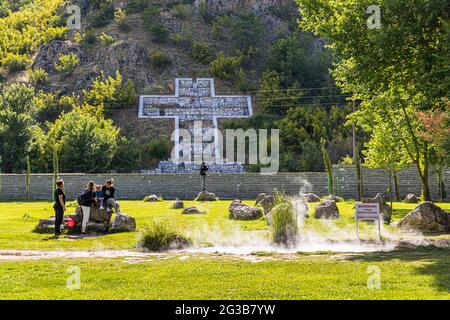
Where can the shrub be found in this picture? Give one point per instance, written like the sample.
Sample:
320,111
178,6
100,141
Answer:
89,37
38,76
160,33
159,236
15,62
202,52
151,17
136,6
182,11
104,15
66,63
121,20
106,39
224,68
283,222
158,59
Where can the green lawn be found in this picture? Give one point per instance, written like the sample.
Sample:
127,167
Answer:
419,274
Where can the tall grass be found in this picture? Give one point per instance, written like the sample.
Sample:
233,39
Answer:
160,236
284,221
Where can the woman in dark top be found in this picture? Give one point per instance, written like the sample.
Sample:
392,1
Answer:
59,206
88,199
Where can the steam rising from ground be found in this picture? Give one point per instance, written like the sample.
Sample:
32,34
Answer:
232,239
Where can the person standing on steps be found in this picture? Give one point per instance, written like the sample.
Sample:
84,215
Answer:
86,204
203,169
59,206
109,200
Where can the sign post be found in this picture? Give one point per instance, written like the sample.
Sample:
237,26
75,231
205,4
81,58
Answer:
368,212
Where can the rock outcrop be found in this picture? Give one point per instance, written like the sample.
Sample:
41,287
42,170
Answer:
309,197
428,218
49,54
178,204
327,210
241,211
192,210
206,196
123,223
265,201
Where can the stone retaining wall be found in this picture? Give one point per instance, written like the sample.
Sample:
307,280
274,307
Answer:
226,186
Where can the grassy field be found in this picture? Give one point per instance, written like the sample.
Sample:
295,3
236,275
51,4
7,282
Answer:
418,274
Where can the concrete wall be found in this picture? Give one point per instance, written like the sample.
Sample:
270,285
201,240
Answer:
226,186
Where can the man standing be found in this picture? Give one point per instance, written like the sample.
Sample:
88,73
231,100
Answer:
108,195
203,169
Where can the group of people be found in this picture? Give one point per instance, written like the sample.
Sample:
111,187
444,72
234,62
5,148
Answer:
94,195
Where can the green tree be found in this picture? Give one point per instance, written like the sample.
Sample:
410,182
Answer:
85,143
16,122
328,167
407,61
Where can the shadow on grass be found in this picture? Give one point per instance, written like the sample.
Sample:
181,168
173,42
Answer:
438,262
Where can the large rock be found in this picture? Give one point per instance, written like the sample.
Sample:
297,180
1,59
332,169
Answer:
411,198
242,211
334,197
385,209
151,198
95,228
178,204
192,210
123,223
50,53
266,201
426,217
309,197
96,215
327,210
206,196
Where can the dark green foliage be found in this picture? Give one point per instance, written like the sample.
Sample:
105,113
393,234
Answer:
136,6
160,236
151,17
159,60
160,33
155,150
247,31
16,121
128,157
224,68
89,37
103,16
202,52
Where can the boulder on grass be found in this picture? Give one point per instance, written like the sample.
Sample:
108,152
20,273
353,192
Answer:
46,225
178,242
259,198
123,223
385,209
95,228
206,196
192,210
327,210
151,198
242,211
178,204
335,198
428,218
309,197
411,198
267,202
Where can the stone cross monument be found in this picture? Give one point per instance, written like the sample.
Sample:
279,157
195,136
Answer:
195,101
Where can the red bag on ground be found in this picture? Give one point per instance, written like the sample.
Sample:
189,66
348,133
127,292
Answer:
70,223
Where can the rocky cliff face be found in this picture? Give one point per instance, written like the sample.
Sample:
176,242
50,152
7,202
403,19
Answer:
216,7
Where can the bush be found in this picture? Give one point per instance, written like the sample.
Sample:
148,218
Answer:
89,37
160,33
160,236
151,17
106,39
136,6
283,222
121,20
104,15
66,63
182,11
38,76
15,62
159,60
224,68
202,52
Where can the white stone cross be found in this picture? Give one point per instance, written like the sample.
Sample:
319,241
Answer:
195,100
